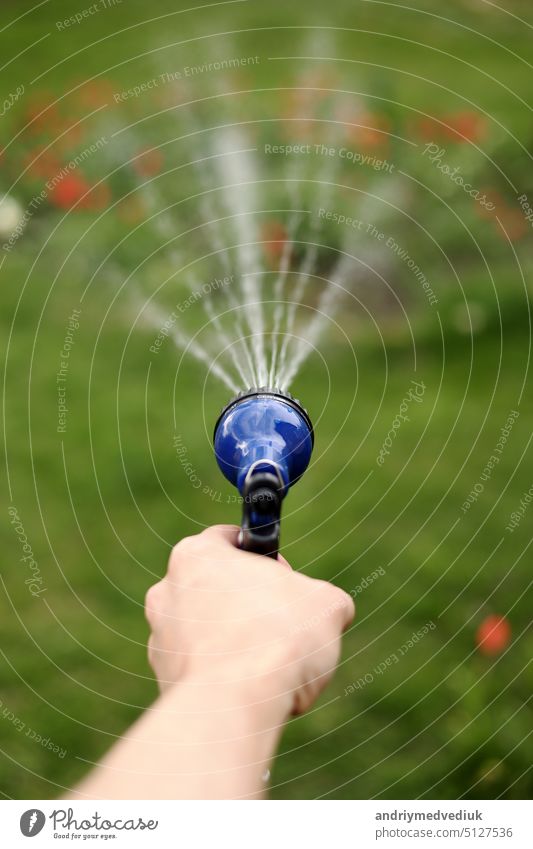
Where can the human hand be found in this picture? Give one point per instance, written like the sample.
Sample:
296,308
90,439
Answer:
225,615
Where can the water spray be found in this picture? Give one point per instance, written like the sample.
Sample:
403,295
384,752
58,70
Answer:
263,443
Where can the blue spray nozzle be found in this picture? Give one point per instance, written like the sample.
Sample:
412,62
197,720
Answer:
263,444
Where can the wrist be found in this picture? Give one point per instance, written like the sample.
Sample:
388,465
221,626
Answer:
260,678
264,693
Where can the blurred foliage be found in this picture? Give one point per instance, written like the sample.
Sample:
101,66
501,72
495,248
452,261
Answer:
103,503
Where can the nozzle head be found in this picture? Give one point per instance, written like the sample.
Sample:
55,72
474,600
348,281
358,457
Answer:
263,430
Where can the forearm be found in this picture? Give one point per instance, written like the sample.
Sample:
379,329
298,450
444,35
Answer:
197,741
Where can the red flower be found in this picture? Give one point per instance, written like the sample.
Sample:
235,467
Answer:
513,224
304,109
493,197
71,134
98,198
295,102
368,130
41,114
42,164
274,235
463,126
296,111
148,163
69,191
73,187
493,635
96,93
429,129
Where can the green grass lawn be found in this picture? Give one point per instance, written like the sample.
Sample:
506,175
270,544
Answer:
102,504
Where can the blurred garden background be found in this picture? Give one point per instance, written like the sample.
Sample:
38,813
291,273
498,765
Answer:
111,120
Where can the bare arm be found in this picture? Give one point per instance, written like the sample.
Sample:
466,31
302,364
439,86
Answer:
239,643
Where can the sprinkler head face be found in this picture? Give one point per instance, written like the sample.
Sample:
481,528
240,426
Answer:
263,429
263,443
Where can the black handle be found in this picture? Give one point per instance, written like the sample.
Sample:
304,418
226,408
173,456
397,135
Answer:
261,515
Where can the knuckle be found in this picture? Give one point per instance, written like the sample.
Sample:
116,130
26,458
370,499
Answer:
338,603
185,557
183,547
347,602
328,592
152,602
150,651
179,551
346,607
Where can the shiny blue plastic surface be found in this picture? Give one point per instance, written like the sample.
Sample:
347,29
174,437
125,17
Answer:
262,429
